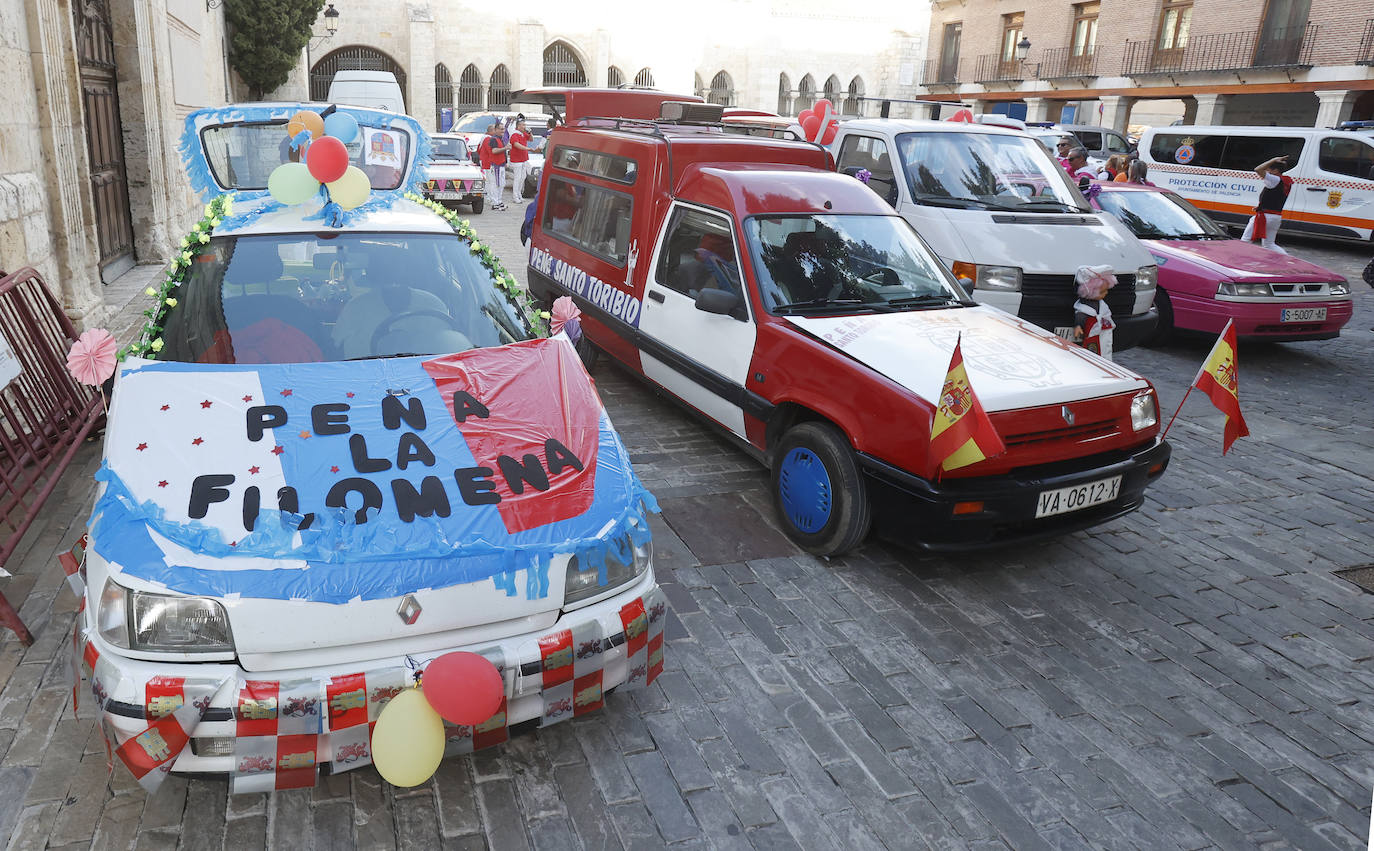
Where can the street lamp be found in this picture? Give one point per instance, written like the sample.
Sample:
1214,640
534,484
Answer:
1022,47
331,26
331,20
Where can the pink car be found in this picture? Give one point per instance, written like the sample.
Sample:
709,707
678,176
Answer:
1206,277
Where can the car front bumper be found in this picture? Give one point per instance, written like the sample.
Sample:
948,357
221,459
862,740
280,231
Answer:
550,676
915,511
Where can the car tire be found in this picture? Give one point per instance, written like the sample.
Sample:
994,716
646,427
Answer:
587,352
818,491
1164,329
478,205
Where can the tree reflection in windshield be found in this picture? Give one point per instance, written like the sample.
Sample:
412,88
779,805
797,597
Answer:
983,170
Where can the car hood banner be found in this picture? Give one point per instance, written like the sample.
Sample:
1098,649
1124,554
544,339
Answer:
330,482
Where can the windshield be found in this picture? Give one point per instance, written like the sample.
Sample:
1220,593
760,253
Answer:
815,263
242,156
984,171
476,123
305,298
449,148
1159,215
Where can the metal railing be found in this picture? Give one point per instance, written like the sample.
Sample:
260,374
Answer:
1285,48
1060,62
992,68
936,72
1366,54
45,415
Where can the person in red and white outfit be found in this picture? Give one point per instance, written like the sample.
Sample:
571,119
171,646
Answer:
493,152
520,140
1264,225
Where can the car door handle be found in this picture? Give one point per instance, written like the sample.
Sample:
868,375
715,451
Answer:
1316,189
656,296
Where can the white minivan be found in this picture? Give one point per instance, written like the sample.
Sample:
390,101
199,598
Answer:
1001,213
1214,168
372,89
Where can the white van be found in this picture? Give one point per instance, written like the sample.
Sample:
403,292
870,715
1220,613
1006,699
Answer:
1214,167
372,89
1001,213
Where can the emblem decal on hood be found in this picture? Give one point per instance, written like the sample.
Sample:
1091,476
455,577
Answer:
1066,413
409,610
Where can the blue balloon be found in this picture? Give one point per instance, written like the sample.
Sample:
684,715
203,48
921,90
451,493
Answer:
341,126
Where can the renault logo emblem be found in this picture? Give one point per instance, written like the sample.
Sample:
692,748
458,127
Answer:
1067,414
409,610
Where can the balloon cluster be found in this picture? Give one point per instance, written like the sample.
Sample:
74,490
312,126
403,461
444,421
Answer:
322,142
818,123
408,741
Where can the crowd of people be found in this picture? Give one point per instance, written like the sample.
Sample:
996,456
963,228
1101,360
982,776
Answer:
1120,168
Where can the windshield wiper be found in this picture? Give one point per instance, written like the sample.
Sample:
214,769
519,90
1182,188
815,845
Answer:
929,300
394,355
812,304
948,201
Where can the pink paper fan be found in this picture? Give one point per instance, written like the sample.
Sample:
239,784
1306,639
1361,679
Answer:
565,316
92,358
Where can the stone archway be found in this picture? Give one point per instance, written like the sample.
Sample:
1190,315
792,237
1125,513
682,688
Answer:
563,66
354,57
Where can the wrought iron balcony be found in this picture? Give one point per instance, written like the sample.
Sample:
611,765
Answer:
1060,62
937,72
992,68
1366,54
1285,48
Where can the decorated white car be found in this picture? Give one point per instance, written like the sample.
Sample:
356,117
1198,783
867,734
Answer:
341,463
452,177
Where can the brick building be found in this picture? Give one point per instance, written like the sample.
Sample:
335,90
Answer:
1122,62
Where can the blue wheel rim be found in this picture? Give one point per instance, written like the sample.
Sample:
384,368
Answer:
804,490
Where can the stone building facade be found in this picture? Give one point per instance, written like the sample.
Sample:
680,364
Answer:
90,116
1295,62
756,53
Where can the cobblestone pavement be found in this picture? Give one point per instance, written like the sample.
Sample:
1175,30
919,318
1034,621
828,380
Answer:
1192,675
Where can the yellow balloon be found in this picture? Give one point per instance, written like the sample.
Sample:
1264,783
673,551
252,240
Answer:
350,190
305,120
408,741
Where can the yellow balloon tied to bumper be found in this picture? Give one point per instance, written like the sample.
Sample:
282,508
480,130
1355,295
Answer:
408,741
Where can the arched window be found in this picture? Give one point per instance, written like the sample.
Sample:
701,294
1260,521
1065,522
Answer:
722,90
498,96
614,78
645,78
784,95
806,94
562,67
698,88
469,90
852,104
832,89
443,94
352,58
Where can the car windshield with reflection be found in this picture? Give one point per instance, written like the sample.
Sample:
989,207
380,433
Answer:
448,148
1159,215
985,172
846,263
306,298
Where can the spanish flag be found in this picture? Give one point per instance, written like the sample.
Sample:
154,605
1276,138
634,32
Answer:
1220,380
961,432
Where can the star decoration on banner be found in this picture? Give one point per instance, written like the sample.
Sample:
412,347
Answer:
198,441
305,435
165,407
247,398
141,447
207,403
286,392
162,484
277,450
333,469
253,470
349,394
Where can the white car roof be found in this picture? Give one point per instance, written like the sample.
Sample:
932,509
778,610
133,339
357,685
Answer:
1239,130
402,216
908,125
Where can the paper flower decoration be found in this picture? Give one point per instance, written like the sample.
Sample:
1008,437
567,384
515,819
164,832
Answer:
566,316
92,357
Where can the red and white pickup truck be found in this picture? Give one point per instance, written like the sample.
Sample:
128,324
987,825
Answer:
793,309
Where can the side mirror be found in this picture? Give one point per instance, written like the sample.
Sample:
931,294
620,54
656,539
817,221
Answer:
722,302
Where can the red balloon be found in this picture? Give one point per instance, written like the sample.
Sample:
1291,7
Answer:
805,114
830,130
327,159
963,115
464,688
821,105
811,125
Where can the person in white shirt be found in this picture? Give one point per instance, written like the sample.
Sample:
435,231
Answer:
1078,164
1263,227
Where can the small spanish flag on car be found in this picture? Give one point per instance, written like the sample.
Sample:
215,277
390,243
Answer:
1219,378
961,433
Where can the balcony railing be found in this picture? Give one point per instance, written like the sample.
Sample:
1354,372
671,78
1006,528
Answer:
992,68
937,72
1366,54
1284,48
1059,62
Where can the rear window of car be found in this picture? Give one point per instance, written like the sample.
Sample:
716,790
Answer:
592,218
243,156
596,164
306,298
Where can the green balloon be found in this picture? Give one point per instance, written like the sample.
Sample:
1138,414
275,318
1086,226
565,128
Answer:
291,183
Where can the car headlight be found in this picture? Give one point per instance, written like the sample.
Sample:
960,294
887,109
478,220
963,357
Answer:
1235,289
136,620
477,186
1146,277
1144,410
624,564
996,278
1342,288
